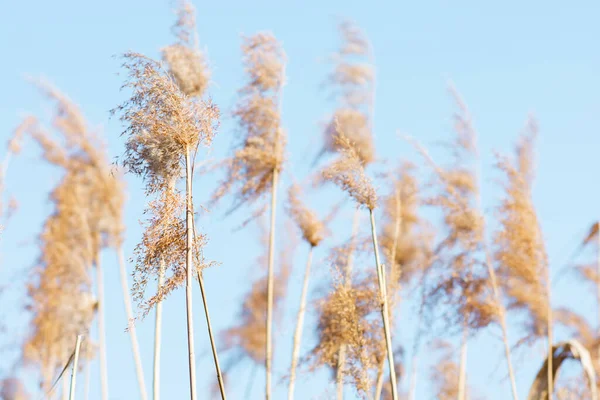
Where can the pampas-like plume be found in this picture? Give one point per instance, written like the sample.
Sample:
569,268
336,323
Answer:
91,198
520,251
164,128
343,321
258,158
352,84
186,62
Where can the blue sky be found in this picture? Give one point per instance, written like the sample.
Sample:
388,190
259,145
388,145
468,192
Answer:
506,58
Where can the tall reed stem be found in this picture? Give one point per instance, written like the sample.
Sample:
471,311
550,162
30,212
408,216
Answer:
384,308
269,348
101,329
158,335
347,281
211,337
462,372
299,325
395,278
131,326
209,327
74,371
189,273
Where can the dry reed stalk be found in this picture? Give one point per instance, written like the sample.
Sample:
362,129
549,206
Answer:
189,273
384,309
299,325
258,159
158,335
461,188
165,127
75,365
348,173
313,232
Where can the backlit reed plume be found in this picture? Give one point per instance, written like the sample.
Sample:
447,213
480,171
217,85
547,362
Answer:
345,319
519,244
464,275
98,197
60,290
185,60
348,173
405,240
164,129
313,232
188,68
352,85
257,161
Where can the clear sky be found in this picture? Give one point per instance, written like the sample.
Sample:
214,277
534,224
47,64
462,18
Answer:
506,58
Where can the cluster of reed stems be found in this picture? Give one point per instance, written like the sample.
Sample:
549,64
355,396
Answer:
472,273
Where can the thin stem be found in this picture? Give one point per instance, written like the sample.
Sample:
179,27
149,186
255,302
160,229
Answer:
462,375
211,338
384,308
395,278
158,335
213,345
101,329
269,345
189,273
74,371
347,281
299,325
131,326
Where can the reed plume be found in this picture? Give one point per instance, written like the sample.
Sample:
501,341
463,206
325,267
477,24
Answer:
92,196
164,129
345,320
405,240
257,161
466,277
352,86
519,245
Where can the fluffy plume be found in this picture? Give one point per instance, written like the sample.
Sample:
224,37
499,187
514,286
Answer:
348,173
260,151
186,62
352,83
520,251
313,229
